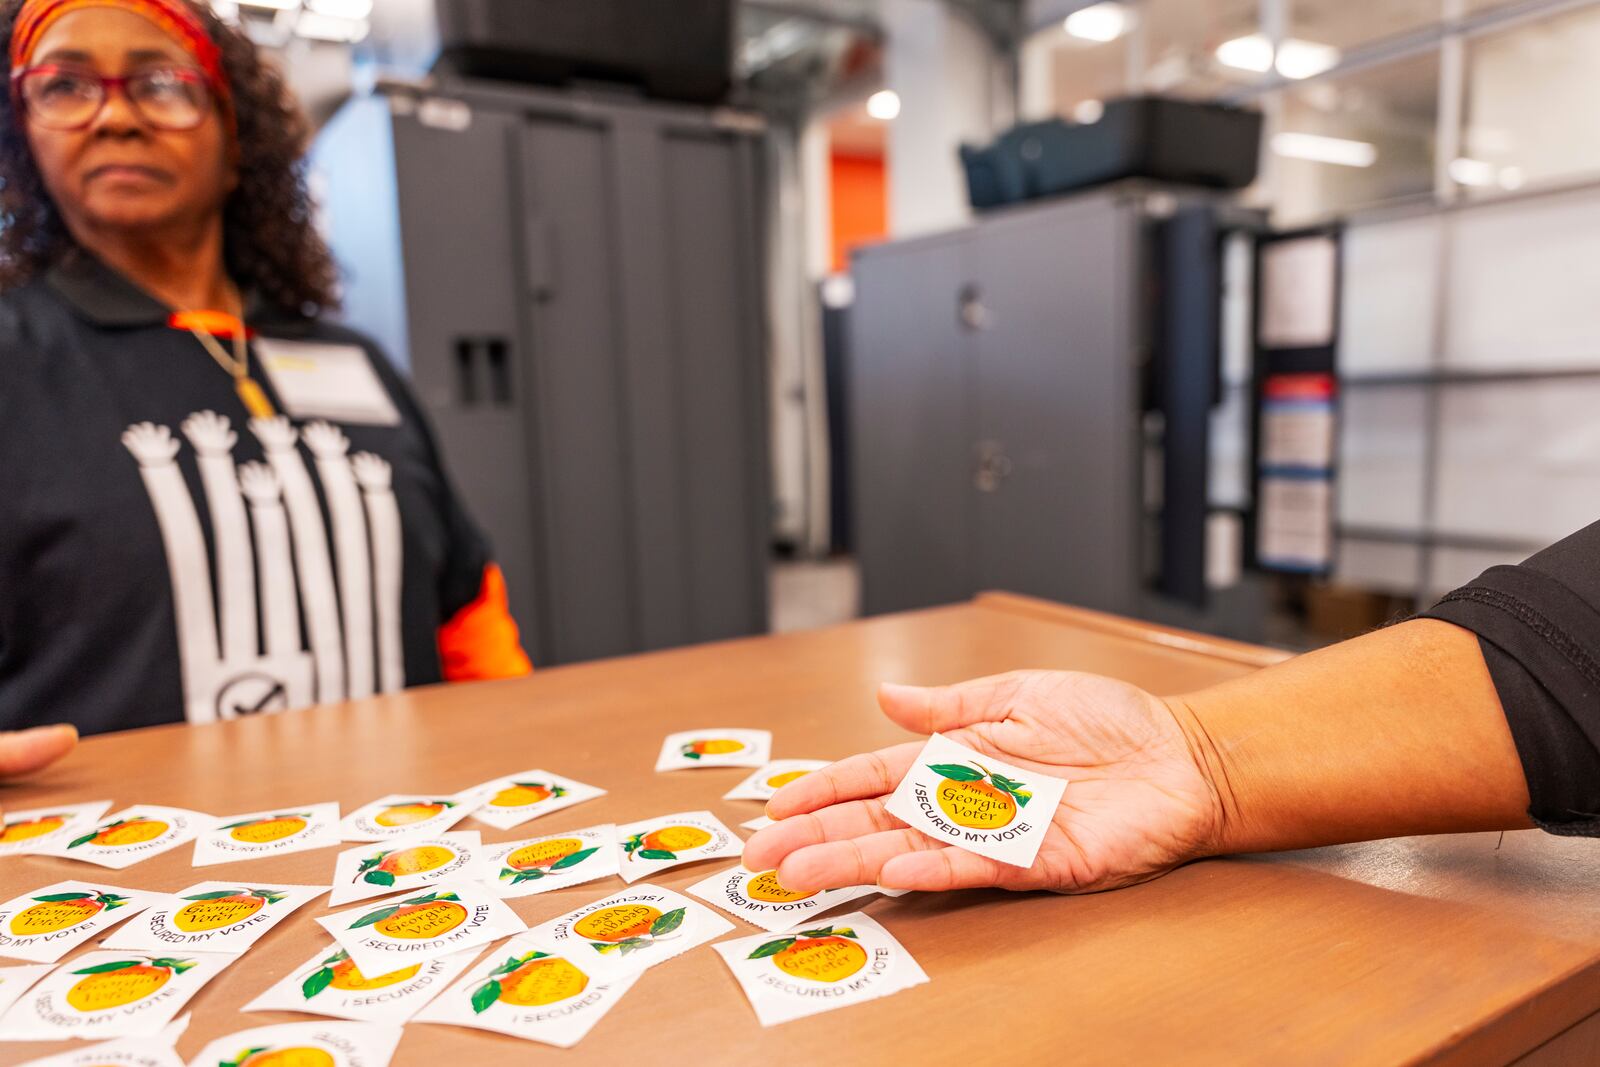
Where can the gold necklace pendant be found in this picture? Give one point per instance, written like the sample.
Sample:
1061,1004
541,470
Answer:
254,398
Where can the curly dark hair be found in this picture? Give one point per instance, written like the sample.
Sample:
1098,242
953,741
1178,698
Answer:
270,244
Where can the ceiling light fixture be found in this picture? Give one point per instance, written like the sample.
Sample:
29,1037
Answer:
1099,22
341,9
884,105
1296,59
316,27
1316,148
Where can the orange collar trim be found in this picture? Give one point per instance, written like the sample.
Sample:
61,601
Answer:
216,323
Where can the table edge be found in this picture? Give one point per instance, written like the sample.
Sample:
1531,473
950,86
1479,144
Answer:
1148,632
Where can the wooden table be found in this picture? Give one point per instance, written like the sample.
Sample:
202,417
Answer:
1423,950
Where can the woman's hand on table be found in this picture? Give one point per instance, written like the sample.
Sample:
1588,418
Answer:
25,751
1140,800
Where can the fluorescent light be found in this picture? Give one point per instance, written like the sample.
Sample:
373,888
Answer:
1319,149
1252,53
1088,112
271,5
341,9
1464,171
1296,59
1511,177
884,105
1098,22
1304,59
327,28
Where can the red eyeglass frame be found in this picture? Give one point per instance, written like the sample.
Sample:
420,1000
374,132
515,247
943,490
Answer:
118,83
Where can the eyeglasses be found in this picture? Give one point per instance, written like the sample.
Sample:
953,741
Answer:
64,98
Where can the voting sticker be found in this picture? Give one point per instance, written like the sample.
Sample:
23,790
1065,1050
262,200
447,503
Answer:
630,931
382,868
975,802
330,983
666,841
46,924
330,1044
774,776
408,815
132,835
757,897
155,1051
386,935
844,961
213,917
760,822
110,994
715,747
517,798
15,981
273,832
524,991
540,864
38,829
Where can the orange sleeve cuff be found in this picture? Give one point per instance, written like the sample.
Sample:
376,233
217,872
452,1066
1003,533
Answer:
481,642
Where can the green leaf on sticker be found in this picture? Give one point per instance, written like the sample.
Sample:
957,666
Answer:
378,878
956,772
846,932
633,944
316,983
602,949
667,923
558,791
85,839
337,957
1005,783
53,898
102,968
771,948
821,931
484,996
687,754
175,965
573,860
372,917
1023,798
271,896
656,854
522,876
217,895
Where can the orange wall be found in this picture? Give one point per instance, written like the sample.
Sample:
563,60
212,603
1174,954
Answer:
860,204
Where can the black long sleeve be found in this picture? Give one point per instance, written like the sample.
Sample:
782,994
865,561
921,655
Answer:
1539,627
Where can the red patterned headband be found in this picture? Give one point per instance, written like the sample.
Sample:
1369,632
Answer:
176,18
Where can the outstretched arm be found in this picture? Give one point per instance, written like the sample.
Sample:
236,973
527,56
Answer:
1398,732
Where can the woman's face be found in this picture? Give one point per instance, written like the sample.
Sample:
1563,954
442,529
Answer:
120,174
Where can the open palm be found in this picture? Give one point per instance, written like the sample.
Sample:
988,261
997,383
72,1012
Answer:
1138,804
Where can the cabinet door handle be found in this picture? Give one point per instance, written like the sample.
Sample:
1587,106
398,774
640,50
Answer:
971,310
993,467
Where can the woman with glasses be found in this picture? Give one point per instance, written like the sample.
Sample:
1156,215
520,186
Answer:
215,502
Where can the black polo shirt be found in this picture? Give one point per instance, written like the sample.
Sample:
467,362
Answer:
159,562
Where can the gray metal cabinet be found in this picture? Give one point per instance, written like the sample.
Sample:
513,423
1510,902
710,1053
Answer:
995,409
582,302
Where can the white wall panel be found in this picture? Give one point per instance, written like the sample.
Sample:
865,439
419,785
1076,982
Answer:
1525,285
1391,284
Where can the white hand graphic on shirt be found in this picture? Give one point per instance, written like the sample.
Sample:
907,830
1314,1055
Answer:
350,550
383,519
312,564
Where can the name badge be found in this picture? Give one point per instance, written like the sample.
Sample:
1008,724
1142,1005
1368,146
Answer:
318,380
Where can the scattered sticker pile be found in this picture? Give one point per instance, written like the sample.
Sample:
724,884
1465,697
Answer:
430,898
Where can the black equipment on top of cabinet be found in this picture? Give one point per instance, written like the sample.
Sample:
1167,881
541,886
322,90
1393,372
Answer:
1209,145
681,50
